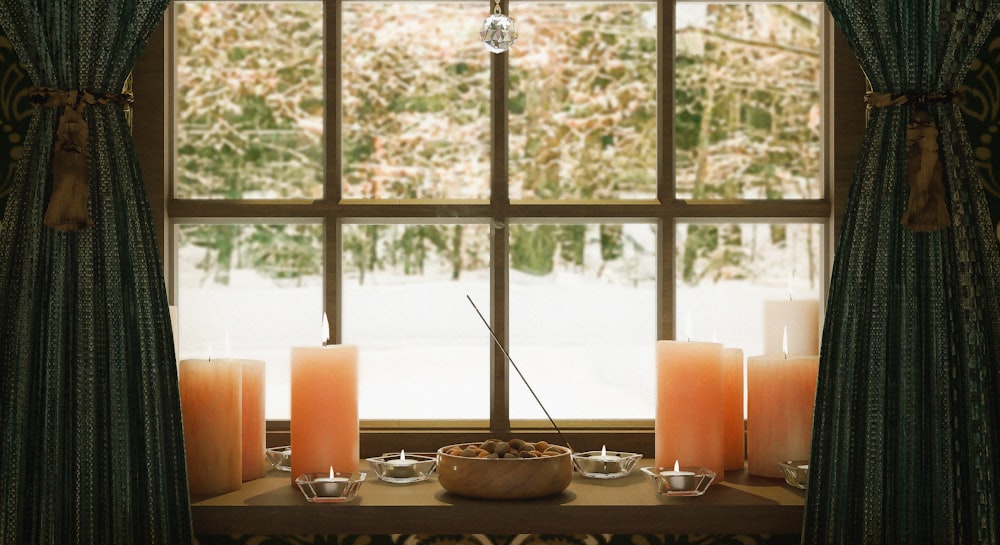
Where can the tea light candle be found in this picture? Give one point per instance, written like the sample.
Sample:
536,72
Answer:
330,487
677,480
401,467
605,463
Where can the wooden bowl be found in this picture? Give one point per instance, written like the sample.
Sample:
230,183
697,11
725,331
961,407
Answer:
504,478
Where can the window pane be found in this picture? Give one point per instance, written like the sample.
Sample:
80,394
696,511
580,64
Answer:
254,291
249,100
748,110
416,88
727,274
583,320
424,354
583,101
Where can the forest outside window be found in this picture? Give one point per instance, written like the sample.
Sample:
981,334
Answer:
628,171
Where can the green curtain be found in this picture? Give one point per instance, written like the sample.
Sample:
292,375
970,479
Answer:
906,437
89,407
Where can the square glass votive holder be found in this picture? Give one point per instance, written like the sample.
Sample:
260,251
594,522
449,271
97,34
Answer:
326,488
685,481
596,464
280,457
407,467
796,472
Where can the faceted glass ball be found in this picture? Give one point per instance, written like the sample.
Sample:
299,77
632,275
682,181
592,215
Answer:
498,33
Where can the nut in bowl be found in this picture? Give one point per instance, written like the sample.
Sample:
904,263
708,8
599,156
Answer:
504,470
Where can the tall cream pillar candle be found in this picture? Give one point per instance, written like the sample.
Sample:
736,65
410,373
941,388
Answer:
211,409
324,426
780,396
254,431
732,380
800,317
689,425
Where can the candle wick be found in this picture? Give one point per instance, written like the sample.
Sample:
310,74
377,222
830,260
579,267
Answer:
530,389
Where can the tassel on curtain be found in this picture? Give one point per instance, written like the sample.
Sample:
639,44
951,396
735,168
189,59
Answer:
906,434
90,411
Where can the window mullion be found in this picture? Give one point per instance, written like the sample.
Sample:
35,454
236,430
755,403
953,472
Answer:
666,287
499,260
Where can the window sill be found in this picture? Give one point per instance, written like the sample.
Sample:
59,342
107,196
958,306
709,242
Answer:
742,504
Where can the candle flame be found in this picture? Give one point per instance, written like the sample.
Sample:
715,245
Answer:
784,342
331,472
325,332
604,451
677,465
402,454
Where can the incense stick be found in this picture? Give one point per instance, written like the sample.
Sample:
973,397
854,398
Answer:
519,373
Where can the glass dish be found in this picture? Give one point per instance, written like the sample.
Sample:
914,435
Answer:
688,481
796,472
403,467
596,464
280,457
336,487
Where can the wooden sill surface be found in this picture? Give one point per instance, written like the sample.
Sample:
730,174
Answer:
742,504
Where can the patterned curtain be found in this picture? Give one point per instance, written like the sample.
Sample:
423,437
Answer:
89,407
906,438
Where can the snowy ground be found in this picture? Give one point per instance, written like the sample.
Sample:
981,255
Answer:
586,346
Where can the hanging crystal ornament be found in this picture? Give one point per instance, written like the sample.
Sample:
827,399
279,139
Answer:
498,32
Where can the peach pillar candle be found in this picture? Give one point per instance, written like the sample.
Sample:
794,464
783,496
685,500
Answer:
211,409
801,317
781,392
732,383
324,425
254,431
689,422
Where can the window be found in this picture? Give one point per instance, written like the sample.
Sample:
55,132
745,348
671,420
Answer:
627,171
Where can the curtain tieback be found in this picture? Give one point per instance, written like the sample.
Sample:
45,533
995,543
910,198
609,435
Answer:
926,209
67,208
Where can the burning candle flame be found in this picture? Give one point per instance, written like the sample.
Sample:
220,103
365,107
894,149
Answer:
331,472
677,465
325,333
784,342
604,451
402,454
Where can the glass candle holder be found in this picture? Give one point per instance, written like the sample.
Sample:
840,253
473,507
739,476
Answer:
605,464
333,487
403,467
280,457
796,472
680,481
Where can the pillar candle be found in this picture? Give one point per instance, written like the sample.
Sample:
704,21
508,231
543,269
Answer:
689,425
324,425
254,431
780,396
211,409
732,379
801,317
